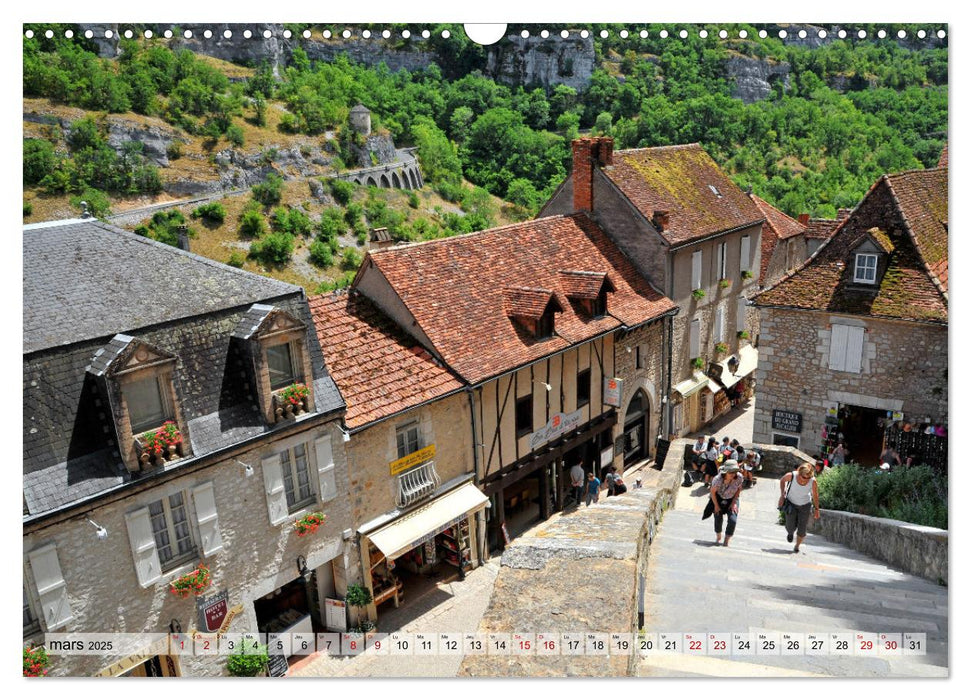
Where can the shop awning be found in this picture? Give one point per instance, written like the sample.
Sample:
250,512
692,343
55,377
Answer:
693,385
421,524
748,360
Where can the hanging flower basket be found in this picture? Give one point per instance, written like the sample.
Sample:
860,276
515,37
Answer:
35,662
193,583
721,348
724,283
698,363
308,524
698,294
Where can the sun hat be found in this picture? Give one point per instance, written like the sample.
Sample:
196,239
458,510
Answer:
730,465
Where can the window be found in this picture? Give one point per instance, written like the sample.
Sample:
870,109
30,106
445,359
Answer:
599,305
746,251
696,270
544,325
524,415
583,387
638,360
409,439
30,619
296,477
279,361
694,339
170,528
722,256
865,271
147,405
846,348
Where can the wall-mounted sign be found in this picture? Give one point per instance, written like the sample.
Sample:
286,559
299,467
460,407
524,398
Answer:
789,421
212,611
335,614
413,460
558,424
613,388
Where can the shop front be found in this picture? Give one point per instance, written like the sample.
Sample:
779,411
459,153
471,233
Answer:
696,407
736,374
636,433
431,543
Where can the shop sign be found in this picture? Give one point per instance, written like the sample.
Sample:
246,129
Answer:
613,388
335,614
558,424
413,460
789,421
212,611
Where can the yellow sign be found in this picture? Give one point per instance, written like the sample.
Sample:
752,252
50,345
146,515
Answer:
412,460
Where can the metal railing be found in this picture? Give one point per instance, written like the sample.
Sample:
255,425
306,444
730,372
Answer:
417,484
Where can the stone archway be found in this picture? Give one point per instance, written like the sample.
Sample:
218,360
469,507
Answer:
371,182
414,180
385,183
395,182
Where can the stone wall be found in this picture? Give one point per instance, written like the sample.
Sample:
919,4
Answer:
916,549
778,460
580,571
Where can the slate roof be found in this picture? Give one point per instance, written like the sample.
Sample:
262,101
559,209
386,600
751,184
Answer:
910,212
109,280
777,227
680,180
380,369
69,439
455,289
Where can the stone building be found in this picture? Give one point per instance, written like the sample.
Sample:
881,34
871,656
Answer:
696,237
783,242
856,338
417,514
531,318
158,436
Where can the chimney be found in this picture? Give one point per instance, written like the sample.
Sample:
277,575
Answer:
804,219
605,154
583,154
660,219
183,233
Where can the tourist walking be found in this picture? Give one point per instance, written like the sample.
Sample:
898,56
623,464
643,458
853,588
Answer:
725,489
838,456
799,498
576,481
593,489
711,461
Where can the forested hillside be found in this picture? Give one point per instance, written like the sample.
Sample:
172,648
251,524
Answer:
846,112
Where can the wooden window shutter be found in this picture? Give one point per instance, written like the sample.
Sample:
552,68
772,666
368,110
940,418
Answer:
719,324
745,253
696,270
854,349
837,347
694,340
276,497
143,549
51,587
740,314
325,468
207,518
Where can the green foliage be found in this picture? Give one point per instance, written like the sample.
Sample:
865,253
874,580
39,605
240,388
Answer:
320,253
915,494
358,596
413,200
174,150
39,160
252,223
272,249
438,156
342,191
236,259
234,134
352,214
28,209
351,259
164,227
98,203
252,660
211,211
331,224
269,191
291,221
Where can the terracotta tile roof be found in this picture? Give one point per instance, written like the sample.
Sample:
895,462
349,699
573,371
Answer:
777,227
821,228
456,290
526,302
896,204
942,163
379,368
583,285
687,183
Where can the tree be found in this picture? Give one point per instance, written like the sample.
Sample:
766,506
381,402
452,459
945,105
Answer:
39,160
252,224
273,248
439,158
269,191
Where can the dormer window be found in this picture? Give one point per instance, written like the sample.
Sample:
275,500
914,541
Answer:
587,291
865,271
148,404
532,310
279,363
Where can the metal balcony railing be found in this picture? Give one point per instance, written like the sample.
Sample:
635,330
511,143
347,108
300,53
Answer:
417,484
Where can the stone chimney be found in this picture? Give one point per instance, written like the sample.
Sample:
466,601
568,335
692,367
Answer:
586,152
661,219
183,233
804,219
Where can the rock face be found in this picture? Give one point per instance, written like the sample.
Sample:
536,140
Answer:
543,62
754,77
378,149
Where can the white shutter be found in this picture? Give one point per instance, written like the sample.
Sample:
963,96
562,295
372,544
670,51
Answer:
740,314
696,270
720,324
854,349
837,347
143,550
745,253
276,497
207,518
325,468
50,586
694,339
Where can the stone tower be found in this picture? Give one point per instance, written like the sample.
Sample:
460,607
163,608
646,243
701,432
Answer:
360,119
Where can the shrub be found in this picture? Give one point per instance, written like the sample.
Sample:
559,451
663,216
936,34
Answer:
331,224
358,596
251,661
413,201
236,259
353,213
211,211
234,135
252,224
98,203
174,150
39,160
321,254
288,123
269,191
28,209
914,494
342,191
274,248
351,259
362,238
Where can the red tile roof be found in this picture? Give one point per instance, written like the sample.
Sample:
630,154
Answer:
583,285
526,302
910,211
821,228
777,227
456,289
687,183
942,163
378,367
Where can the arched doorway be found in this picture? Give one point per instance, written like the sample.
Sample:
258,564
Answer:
637,429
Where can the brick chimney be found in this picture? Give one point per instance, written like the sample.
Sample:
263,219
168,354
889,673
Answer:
183,233
804,219
660,219
586,152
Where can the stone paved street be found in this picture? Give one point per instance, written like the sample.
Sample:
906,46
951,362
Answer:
758,584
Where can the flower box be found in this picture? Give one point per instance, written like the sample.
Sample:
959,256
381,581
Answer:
747,274
724,283
308,524
721,348
743,335
159,446
35,662
698,363
698,294
291,401
193,583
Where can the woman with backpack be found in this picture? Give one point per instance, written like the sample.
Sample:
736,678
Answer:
799,497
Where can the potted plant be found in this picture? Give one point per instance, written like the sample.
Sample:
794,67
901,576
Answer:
698,363
308,524
742,335
291,400
162,443
193,583
746,274
251,660
721,348
359,597
35,662
724,283
698,294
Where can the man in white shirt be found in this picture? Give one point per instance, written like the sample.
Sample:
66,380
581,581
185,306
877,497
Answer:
576,480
